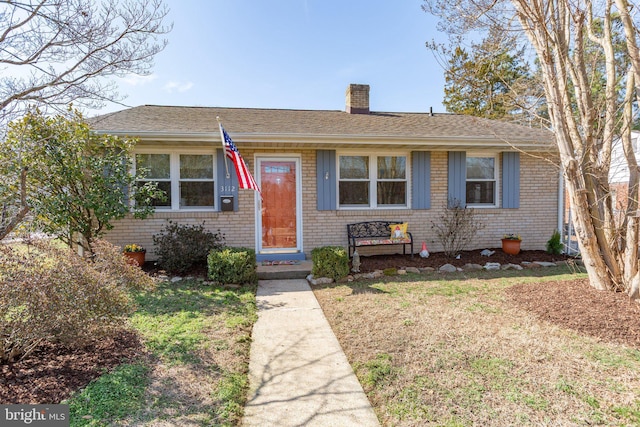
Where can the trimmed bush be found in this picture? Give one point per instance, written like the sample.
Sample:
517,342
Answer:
233,266
330,261
49,293
181,247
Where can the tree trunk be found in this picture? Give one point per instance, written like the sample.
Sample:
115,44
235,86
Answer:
587,240
559,31
24,207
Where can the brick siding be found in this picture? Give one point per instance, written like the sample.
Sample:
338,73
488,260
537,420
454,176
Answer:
535,220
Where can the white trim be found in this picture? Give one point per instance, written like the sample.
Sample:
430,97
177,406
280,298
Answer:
442,142
373,168
497,158
297,159
174,175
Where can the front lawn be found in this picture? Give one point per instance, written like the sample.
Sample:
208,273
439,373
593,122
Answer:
469,349
195,373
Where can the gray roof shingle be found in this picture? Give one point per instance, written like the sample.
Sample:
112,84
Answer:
256,125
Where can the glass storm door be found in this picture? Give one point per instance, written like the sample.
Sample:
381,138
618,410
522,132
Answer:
280,218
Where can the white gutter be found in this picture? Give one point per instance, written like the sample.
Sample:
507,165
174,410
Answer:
249,138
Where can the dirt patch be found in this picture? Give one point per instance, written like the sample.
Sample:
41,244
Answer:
53,372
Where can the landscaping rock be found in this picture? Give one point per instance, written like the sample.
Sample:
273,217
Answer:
471,267
414,270
401,272
511,267
527,264
320,280
492,266
448,268
176,279
487,252
371,275
545,264
375,275
426,269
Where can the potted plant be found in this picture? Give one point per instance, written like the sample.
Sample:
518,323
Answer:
511,243
135,254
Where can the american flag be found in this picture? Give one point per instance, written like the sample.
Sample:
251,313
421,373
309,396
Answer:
245,179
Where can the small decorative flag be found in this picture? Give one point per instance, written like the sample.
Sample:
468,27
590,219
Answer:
245,179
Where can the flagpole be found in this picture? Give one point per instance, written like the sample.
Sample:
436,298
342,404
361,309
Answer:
224,147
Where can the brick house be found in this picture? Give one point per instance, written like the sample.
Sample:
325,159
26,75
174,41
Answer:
320,170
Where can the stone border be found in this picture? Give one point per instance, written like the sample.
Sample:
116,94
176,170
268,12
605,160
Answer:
447,268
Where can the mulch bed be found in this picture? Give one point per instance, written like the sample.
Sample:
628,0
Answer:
609,316
54,372
437,260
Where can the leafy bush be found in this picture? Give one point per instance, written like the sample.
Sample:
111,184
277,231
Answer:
554,244
456,228
330,261
49,293
180,247
233,265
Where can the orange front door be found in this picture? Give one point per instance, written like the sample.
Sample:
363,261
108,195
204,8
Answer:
279,204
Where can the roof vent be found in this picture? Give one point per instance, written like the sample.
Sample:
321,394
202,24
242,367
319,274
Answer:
358,99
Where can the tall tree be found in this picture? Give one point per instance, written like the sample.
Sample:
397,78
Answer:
491,79
57,52
566,36
75,177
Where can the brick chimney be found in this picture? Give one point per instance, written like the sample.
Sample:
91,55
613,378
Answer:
358,99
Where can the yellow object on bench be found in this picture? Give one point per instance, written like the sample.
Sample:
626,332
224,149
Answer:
373,233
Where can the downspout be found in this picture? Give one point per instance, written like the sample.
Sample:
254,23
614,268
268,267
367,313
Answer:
561,202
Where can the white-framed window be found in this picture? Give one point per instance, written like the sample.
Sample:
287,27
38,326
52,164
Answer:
187,178
372,181
482,180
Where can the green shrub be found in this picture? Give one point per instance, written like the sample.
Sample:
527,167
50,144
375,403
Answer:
330,261
554,244
49,293
181,247
233,265
391,271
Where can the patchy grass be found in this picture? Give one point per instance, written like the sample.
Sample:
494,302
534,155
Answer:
453,350
195,374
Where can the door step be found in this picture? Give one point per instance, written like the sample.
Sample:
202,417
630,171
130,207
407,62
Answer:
299,270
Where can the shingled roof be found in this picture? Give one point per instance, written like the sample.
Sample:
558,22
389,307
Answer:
280,127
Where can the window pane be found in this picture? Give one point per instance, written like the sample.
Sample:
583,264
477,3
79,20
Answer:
196,193
157,165
164,186
480,168
480,192
392,193
196,167
354,167
392,167
354,193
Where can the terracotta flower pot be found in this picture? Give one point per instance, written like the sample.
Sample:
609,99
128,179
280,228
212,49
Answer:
511,246
135,258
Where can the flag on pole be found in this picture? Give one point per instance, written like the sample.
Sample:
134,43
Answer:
245,179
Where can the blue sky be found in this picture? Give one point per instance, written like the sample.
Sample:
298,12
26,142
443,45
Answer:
297,54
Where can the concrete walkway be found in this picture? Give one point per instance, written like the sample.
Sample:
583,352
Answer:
298,373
